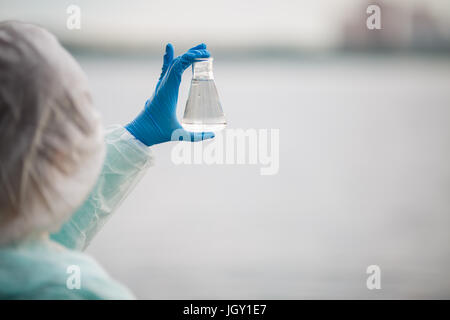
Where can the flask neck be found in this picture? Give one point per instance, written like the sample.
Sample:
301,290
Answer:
202,69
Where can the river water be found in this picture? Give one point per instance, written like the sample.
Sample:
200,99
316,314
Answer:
364,179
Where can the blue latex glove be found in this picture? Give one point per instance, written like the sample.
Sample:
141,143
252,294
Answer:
156,123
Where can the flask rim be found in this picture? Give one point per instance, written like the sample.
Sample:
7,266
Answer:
203,59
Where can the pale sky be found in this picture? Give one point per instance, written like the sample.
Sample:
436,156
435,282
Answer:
296,23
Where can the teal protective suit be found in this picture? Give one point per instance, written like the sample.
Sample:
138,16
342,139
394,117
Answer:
41,268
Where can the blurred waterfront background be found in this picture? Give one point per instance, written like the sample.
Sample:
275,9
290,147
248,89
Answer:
364,119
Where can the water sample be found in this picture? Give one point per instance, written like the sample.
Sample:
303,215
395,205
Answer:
203,110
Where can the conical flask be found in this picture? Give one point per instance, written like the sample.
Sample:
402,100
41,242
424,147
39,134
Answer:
203,111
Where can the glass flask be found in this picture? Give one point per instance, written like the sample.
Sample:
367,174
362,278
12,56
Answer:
203,111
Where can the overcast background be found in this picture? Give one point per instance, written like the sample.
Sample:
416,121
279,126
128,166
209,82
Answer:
364,119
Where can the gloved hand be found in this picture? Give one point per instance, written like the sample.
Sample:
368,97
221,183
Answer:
158,120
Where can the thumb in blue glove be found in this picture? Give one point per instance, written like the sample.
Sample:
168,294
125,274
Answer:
156,123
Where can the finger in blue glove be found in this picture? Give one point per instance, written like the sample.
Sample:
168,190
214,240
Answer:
157,121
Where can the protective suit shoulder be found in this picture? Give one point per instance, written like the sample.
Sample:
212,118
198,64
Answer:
43,269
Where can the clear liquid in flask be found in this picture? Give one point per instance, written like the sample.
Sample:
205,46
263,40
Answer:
203,110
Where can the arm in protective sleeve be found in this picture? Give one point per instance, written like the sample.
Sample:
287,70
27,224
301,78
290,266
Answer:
125,164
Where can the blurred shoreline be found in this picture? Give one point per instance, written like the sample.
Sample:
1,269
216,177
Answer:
261,53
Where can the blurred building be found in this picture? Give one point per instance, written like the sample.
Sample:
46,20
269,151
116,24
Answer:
410,28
